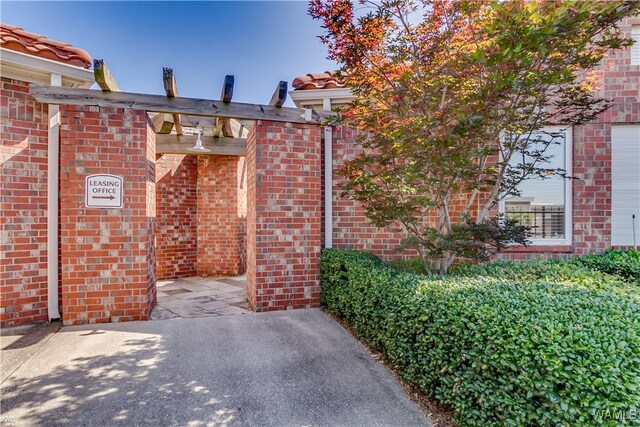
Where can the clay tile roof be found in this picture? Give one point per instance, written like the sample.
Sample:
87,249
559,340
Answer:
15,38
326,80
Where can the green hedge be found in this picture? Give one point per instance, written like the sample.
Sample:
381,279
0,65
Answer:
570,272
622,263
625,264
500,351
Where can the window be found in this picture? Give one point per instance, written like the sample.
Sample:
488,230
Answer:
625,185
635,47
544,204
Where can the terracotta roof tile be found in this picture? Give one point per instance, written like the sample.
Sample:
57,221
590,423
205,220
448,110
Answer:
15,38
326,80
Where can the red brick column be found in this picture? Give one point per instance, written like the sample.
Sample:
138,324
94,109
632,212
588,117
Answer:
23,205
221,211
284,216
177,216
107,255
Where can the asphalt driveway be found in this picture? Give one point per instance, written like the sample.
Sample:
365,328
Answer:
292,368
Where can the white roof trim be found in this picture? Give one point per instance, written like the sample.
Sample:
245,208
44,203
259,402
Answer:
315,97
33,69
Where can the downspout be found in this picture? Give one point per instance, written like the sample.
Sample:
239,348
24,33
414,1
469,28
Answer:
53,178
328,179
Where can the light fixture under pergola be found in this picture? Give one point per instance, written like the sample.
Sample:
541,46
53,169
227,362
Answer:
199,148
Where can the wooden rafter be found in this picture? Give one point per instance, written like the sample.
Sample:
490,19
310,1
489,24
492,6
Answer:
237,126
162,123
171,89
181,144
195,121
227,89
163,104
238,129
103,76
224,123
245,126
280,95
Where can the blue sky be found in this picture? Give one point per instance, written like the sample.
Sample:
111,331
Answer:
260,43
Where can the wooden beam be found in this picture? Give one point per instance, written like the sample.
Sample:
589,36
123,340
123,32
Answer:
175,144
227,89
224,124
162,123
244,127
163,104
171,89
237,129
280,95
195,121
103,76
169,80
177,123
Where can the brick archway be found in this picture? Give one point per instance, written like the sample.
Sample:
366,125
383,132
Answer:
108,256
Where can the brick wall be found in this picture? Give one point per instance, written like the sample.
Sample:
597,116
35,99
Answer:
251,218
242,213
201,216
592,152
592,160
177,208
23,205
351,228
221,249
107,255
284,215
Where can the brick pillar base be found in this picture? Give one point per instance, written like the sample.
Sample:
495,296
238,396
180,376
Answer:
284,216
107,255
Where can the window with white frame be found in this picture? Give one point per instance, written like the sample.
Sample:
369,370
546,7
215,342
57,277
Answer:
635,47
544,202
625,185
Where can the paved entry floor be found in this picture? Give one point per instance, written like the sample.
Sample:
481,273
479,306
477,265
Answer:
284,368
201,297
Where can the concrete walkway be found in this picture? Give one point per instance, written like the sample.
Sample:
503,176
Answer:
201,297
290,368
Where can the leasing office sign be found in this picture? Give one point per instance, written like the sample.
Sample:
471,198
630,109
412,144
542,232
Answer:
103,191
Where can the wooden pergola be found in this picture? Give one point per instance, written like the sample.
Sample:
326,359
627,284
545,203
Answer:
223,125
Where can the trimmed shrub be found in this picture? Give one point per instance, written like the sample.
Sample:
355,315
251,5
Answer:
625,264
413,265
622,263
500,351
564,272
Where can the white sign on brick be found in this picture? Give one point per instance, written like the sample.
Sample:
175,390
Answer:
103,191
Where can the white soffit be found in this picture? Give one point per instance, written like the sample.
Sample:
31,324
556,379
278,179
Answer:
314,98
33,69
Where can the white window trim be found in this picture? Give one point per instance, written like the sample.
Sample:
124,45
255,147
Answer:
634,50
620,235
568,192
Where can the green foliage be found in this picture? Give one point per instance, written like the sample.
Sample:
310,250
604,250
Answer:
413,265
450,98
529,349
568,272
625,264
473,240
